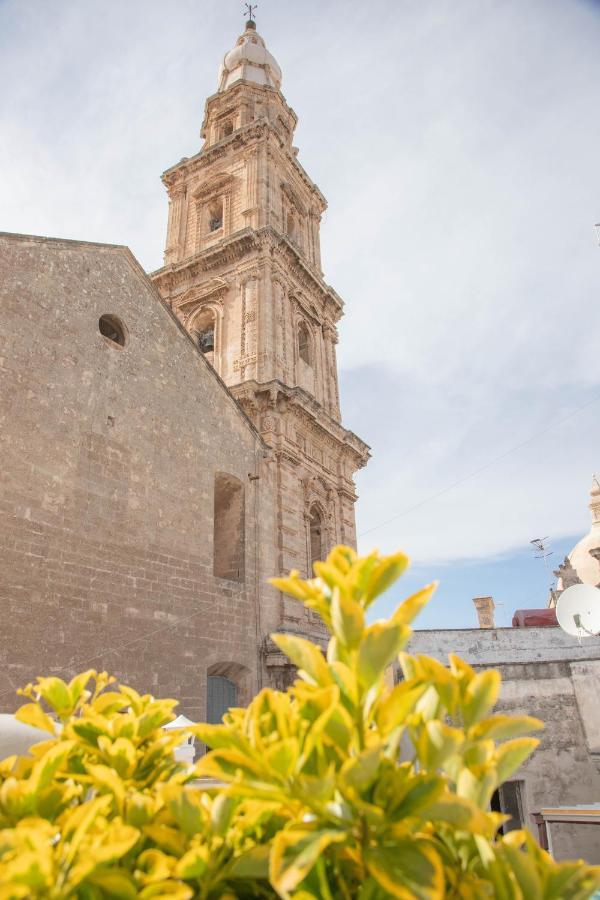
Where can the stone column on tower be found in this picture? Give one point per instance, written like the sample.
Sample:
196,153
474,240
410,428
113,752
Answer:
243,258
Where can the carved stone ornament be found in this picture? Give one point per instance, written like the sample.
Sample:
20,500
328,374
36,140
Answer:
567,574
216,185
293,198
212,289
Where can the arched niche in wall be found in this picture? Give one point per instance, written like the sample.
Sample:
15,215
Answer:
316,526
229,528
304,344
212,201
305,356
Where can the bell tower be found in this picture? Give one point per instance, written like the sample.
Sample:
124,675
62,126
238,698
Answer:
243,274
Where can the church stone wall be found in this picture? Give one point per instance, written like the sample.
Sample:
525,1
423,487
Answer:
109,457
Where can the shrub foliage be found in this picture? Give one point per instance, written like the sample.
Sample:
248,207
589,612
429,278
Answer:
344,786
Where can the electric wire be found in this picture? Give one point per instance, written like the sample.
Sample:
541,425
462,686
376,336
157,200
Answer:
483,468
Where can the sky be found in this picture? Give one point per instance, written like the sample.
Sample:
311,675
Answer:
457,142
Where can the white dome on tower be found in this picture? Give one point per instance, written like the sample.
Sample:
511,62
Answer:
249,61
583,562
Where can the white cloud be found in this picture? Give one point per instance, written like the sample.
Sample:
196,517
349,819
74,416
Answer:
458,146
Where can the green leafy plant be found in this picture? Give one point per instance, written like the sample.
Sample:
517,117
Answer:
344,786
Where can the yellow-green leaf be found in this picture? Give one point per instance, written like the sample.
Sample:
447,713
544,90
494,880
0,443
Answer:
413,605
253,864
57,694
501,727
193,863
173,890
295,851
33,714
380,645
359,772
347,619
408,870
282,756
345,678
512,754
114,883
384,574
436,742
393,710
45,768
306,655
119,754
480,695
524,870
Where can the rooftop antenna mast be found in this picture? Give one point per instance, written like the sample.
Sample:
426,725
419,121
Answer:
541,550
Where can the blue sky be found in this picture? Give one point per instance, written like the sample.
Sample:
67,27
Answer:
457,143
516,580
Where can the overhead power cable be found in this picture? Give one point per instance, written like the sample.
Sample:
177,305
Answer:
483,468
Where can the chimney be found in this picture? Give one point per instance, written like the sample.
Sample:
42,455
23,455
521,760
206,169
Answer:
485,611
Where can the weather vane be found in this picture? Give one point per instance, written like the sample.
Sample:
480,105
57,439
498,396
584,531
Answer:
250,7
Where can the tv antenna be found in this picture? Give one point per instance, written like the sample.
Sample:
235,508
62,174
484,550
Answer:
250,7
541,550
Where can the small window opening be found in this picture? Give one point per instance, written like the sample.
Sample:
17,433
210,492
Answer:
229,543
110,327
507,799
316,536
226,129
304,344
221,696
215,217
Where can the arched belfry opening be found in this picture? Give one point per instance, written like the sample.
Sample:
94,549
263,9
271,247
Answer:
316,535
204,330
215,215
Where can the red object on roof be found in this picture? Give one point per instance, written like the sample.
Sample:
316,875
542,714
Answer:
526,618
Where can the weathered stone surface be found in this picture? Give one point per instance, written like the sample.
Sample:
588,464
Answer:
109,457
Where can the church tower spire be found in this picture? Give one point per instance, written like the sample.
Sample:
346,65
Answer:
243,274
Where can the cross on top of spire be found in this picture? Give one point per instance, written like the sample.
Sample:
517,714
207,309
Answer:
250,7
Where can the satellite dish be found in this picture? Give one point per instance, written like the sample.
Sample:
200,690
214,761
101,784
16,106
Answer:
578,610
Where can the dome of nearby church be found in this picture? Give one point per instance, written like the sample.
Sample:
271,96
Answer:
582,565
249,61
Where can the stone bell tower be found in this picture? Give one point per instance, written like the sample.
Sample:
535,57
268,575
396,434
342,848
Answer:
243,274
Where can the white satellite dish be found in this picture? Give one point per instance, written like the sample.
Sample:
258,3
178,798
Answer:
578,610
